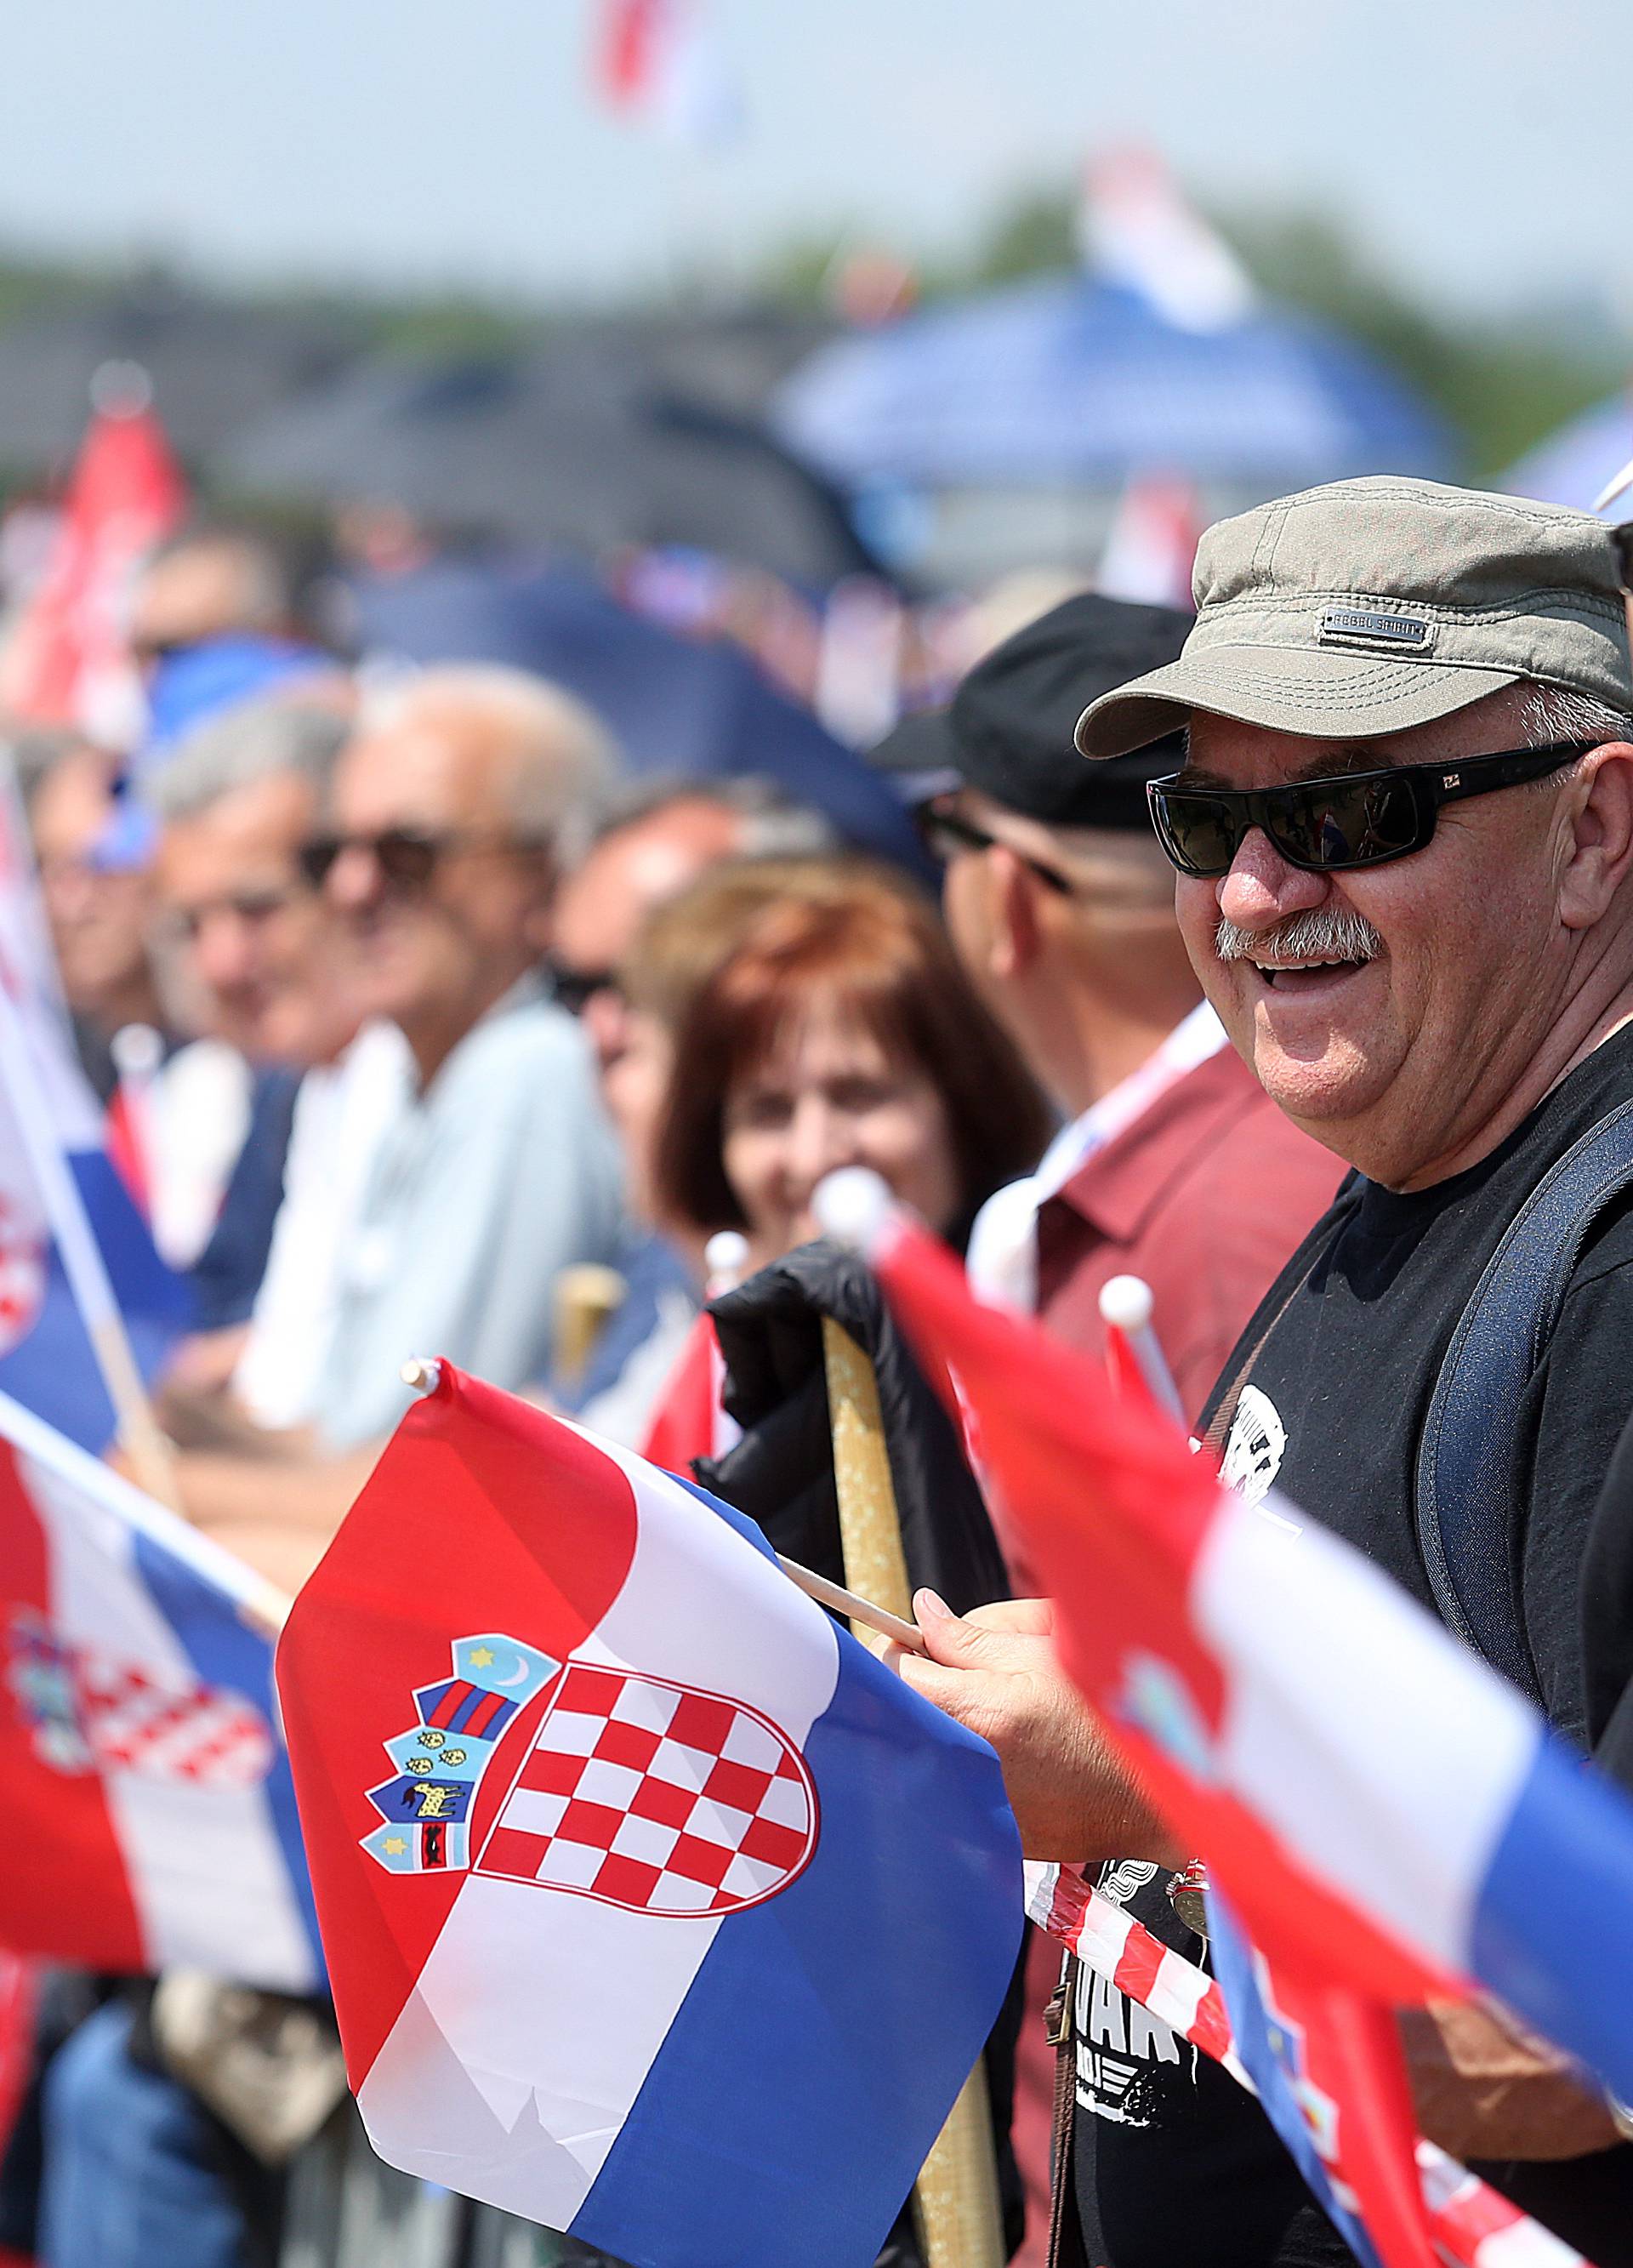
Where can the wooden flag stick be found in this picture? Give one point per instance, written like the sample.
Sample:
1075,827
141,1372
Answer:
838,1600
956,2196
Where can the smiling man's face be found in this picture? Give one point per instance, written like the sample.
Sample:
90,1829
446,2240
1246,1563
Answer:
1389,1010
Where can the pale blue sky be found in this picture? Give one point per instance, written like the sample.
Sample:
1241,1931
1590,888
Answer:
1479,142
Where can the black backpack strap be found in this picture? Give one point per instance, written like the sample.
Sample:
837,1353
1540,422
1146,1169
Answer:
1469,1478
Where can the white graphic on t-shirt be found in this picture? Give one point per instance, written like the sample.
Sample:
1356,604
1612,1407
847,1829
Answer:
1119,1882
1258,1442
1119,2043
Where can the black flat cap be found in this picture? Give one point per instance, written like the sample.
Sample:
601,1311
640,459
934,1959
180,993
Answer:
1012,719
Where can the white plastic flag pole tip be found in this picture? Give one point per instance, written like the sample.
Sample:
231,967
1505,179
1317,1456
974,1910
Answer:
1126,1303
423,1372
1126,1306
726,1256
853,1206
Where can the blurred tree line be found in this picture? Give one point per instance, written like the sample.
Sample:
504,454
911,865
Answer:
1503,384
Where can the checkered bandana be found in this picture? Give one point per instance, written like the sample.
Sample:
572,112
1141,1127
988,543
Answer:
652,1796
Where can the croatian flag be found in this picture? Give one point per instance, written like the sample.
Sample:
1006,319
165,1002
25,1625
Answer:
1390,1820
1470,2224
663,60
657,1911
691,1418
75,1254
69,663
148,1795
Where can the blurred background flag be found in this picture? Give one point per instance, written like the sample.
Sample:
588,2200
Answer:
87,1307
67,662
1151,545
148,1795
658,1910
662,60
1137,227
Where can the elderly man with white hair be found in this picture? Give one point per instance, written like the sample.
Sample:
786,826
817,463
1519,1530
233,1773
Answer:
452,808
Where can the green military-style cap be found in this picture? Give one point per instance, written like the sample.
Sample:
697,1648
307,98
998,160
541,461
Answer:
1368,606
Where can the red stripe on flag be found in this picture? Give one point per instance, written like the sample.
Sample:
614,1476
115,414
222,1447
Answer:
625,59
1117,1515
66,1895
463,1464
483,1714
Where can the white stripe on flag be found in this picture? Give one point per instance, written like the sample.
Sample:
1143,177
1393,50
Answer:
1397,1804
544,2011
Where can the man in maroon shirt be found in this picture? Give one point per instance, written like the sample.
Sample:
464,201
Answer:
1172,1164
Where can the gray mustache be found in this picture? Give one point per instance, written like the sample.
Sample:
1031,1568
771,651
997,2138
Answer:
1323,933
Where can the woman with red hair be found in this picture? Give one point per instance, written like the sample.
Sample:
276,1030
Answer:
839,1030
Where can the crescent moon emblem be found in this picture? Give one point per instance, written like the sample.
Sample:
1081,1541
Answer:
518,1678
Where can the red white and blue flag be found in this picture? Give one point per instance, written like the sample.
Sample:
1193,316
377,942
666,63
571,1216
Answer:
1387,1820
663,60
69,663
75,1253
148,1796
1471,2224
656,1910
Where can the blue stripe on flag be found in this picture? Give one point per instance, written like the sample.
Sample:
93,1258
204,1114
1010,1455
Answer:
749,1529
808,2071
54,1371
1232,1963
1549,1934
224,1651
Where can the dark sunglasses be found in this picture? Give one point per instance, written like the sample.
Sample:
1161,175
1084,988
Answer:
407,857
576,988
944,835
1328,826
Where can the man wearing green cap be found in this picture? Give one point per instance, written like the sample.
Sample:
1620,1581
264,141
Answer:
1403,832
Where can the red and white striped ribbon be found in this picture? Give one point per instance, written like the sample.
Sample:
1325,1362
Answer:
1471,2224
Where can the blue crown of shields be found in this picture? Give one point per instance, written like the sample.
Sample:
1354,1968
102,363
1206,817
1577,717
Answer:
440,1760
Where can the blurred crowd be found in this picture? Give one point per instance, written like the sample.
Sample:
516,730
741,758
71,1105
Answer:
430,1025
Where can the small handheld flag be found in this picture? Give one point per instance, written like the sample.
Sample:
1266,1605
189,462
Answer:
148,1792
658,1910
1383,1840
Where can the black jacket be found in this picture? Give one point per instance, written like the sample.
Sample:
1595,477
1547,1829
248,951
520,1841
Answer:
780,1474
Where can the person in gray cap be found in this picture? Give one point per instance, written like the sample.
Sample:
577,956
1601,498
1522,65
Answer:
1403,832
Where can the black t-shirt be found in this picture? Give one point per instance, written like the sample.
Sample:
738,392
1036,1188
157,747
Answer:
1355,1331
1608,1618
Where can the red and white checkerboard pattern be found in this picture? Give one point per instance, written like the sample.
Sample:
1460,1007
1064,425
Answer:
655,1797
22,1277
191,1732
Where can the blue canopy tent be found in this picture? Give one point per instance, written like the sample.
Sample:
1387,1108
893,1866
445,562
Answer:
684,709
1573,464
1073,383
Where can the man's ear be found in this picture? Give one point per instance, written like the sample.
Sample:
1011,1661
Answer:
1598,858
1016,933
